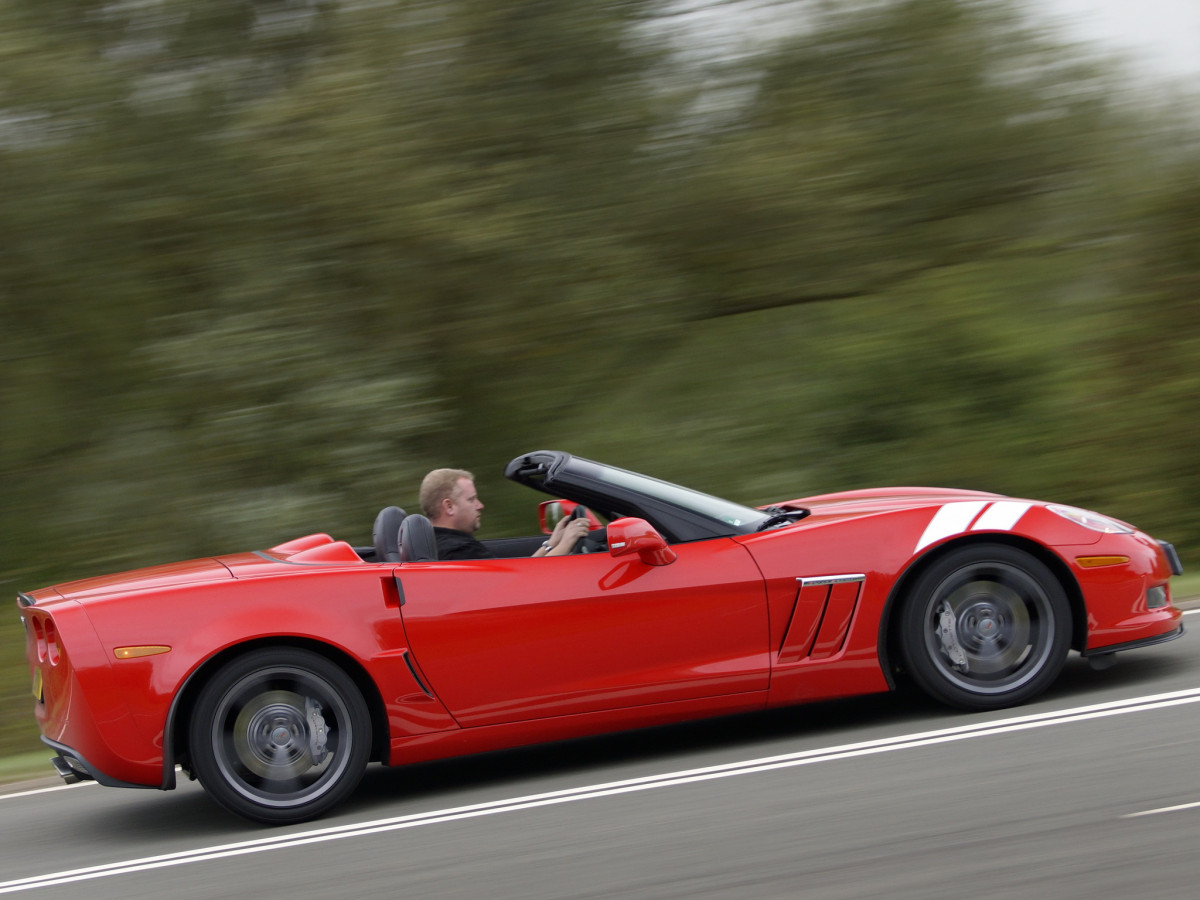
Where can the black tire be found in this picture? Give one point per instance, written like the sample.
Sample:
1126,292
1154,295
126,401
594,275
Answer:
985,627
280,735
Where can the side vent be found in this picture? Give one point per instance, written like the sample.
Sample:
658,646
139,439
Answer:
821,617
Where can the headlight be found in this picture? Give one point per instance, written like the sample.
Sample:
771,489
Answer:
1090,520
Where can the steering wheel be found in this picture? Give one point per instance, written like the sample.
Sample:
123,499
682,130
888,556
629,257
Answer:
579,512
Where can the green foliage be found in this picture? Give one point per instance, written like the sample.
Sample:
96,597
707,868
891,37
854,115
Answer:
882,144
264,262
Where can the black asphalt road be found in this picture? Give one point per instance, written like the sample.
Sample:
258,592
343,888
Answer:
887,796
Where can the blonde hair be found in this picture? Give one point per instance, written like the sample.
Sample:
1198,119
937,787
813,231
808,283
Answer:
439,485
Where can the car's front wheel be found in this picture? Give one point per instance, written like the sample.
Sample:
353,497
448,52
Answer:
986,626
280,735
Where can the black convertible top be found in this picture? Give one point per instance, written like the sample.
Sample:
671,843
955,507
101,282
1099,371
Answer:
680,514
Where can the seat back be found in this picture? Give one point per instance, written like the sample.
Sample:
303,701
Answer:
386,533
417,540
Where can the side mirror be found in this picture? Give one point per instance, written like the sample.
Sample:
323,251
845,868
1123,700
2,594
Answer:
630,536
551,512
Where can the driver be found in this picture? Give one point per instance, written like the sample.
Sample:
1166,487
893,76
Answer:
449,500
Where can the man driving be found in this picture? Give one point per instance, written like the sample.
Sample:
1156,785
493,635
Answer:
451,503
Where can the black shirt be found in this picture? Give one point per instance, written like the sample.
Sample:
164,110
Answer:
454,544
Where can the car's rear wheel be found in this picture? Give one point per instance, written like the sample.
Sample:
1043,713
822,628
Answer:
986,626
280,735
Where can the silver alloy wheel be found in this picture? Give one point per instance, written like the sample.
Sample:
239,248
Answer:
264,736
280,735
984,626
1002,624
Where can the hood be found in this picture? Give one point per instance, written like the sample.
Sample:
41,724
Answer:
879,500
153,578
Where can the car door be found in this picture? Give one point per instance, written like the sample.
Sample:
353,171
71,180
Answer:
514,639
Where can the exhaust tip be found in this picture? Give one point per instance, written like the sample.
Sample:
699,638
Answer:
69,770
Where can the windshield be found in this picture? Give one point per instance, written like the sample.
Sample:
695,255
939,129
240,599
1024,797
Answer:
732,514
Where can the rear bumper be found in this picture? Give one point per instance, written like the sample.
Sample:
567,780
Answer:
73,768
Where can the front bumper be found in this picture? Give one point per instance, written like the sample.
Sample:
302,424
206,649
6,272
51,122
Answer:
1134,645
1172,557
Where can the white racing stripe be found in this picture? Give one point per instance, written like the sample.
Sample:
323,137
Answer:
955,518
1003,515
591,792
951,519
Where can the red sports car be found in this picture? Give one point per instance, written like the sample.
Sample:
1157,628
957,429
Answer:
275,676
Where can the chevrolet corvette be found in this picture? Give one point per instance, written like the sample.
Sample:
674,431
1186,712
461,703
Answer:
274,677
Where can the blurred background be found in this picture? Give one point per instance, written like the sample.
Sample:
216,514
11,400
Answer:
263,263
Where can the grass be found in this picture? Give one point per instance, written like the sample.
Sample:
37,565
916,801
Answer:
26,766
1186,587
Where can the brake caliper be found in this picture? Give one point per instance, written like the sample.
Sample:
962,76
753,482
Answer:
947,633
316,730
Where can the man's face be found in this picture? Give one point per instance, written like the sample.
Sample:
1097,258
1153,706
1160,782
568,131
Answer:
465,507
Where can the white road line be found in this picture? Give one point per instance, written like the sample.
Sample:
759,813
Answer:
48,790
591,792
1163,809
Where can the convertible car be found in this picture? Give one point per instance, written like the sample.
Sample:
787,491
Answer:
275,676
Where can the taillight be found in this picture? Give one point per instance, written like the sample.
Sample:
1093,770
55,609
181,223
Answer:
45,640
39,639
52,651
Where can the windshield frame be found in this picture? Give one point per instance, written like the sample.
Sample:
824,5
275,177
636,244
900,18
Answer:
680,514
745,519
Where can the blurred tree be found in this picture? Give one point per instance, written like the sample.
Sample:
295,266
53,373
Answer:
472,213
881,142
1151,345
492,165
181,339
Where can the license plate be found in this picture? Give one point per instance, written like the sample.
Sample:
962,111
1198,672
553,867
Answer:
37,684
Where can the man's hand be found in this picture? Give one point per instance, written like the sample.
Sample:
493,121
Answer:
567,533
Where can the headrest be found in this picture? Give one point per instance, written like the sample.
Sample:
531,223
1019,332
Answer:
386,534
417,540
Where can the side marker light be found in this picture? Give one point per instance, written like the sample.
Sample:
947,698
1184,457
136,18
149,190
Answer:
139,652
1095,562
